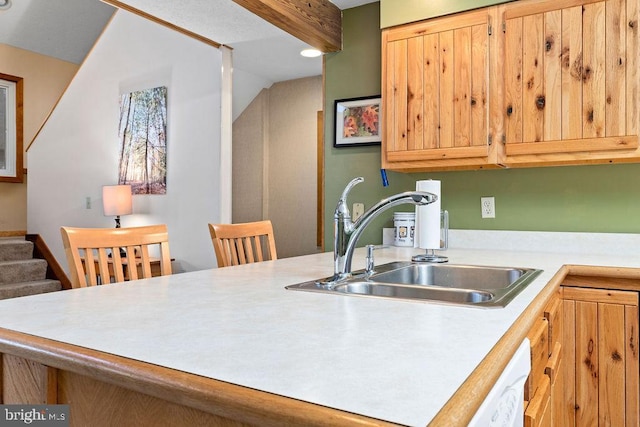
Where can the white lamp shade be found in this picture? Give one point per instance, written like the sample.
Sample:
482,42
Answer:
117,200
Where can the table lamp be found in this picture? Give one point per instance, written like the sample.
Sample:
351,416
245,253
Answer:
117,200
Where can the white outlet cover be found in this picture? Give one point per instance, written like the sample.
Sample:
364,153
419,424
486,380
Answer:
358,211
488,207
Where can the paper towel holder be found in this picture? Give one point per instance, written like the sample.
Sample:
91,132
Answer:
430,255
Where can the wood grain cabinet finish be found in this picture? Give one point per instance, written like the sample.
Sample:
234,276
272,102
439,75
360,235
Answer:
570,81
544,389
601,348
522,84
435,86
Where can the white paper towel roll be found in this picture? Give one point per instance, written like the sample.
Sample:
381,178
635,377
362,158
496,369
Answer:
427,232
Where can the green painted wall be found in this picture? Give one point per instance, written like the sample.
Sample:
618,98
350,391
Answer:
396,12
600,198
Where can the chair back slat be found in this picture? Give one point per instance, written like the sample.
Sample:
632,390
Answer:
237,244
94,254
258,248
241,251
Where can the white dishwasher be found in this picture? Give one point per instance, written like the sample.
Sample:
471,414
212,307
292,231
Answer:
504,405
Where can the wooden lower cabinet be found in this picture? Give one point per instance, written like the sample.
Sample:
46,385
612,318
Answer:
544,389
600,343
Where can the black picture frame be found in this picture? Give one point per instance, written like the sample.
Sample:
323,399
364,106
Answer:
357,121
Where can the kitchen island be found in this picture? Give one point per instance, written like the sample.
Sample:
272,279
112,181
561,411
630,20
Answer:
233,344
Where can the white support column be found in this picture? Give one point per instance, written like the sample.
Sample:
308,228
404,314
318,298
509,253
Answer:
226,124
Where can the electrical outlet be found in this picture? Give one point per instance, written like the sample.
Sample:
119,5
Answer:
488,206
358,211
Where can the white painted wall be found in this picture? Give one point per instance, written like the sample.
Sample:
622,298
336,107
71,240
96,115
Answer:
76,153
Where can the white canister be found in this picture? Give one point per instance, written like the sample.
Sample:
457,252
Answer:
404,224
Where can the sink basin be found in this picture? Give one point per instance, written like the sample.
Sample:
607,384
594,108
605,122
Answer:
414,292
472,285
451,276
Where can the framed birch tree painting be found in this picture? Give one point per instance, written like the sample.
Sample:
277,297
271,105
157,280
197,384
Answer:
142,134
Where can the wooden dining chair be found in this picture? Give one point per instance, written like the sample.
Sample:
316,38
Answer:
104,255
244,243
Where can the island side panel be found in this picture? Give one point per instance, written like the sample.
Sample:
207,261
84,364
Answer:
27,382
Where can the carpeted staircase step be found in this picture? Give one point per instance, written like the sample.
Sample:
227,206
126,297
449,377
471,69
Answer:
14,290
15,249
22,271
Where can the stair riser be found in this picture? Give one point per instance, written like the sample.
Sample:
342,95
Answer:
15,250
29,288
23,271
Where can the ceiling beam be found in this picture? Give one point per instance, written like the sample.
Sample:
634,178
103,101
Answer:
315,22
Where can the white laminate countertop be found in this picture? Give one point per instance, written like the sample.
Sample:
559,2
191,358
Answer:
393,360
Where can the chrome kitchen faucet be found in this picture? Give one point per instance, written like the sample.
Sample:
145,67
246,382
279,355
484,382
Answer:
346,232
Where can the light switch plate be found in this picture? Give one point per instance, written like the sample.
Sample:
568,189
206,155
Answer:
358,211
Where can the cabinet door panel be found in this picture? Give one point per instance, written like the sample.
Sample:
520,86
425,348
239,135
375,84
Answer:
446,90
615,67
431,79
579,78
415,52
568,415
611,354
435,83
552,75
632,111
632,391
593,89
462,90
479,80
398,106
513,80
601,348
586,364
533,74
572,73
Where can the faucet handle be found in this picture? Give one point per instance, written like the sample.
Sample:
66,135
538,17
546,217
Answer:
342,209
347,189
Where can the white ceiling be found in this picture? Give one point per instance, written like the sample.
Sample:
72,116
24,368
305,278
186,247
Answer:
66,29
262,53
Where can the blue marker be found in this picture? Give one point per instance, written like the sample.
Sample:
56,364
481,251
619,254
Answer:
383,174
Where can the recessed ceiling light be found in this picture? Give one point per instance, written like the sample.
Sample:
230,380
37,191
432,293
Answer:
5,4
308,53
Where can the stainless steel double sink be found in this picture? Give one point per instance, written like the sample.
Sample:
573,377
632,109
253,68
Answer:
470,285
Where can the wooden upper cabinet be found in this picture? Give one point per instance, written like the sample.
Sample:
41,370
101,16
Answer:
570,81
435,82
525,83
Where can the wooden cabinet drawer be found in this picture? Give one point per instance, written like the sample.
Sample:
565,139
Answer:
553,364
538,412
553,314
539,337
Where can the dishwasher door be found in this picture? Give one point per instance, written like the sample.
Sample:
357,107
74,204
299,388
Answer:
504,405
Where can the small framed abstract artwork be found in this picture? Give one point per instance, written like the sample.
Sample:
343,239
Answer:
357,121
